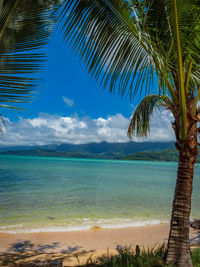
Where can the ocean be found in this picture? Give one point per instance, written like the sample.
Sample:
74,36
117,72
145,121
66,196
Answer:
42,194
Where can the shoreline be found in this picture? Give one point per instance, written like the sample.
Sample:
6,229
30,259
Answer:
82,244
95,238
119,224
92,158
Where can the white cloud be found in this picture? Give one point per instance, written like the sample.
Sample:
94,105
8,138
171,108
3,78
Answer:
68,101
161,128
48,129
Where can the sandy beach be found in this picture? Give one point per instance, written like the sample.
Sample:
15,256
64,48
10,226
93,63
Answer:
76,247
44,196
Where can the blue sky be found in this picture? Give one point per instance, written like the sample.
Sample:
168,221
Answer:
71,107
64,75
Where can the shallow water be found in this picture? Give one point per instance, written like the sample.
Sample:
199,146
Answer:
55,194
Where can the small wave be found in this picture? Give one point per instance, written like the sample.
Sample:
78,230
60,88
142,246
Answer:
86,225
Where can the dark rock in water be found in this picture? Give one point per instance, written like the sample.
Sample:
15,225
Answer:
195,224
51,218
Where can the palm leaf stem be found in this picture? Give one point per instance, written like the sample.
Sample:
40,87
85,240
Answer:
182,100
188,76
8,18
10,107
169,87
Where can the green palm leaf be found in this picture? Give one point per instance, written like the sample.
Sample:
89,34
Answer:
128,44
24,27
109,43
140,121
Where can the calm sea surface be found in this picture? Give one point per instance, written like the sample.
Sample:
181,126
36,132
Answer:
55,194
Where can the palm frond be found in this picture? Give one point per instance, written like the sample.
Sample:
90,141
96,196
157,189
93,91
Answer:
140,121
126,44
109,42
188,13
24,27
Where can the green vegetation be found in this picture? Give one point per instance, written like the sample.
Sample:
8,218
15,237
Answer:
164,155
122,149
128,257
168,154
25,26
196,257
130,151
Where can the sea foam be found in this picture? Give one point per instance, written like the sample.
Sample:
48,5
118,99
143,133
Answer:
101,224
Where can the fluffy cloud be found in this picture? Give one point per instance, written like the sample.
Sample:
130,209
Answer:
68,101
49,129
161,128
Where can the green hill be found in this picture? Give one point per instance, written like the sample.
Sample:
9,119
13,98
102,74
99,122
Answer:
150,151
168,154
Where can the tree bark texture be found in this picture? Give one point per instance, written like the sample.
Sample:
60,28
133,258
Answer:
178,251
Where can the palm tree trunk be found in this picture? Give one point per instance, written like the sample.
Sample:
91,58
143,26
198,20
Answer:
178,252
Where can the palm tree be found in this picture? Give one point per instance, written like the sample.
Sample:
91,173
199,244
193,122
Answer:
151,49
24,27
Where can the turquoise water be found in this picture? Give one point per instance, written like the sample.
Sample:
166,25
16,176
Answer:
55,194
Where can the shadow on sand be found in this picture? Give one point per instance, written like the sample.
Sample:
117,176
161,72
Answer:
23,253
195,241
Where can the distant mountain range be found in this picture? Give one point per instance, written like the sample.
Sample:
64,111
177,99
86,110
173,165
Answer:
127,150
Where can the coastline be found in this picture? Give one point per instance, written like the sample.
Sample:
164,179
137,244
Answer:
51,204
77,247
137,156
96,238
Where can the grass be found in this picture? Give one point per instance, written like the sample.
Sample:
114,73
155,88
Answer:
196,257
127,257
